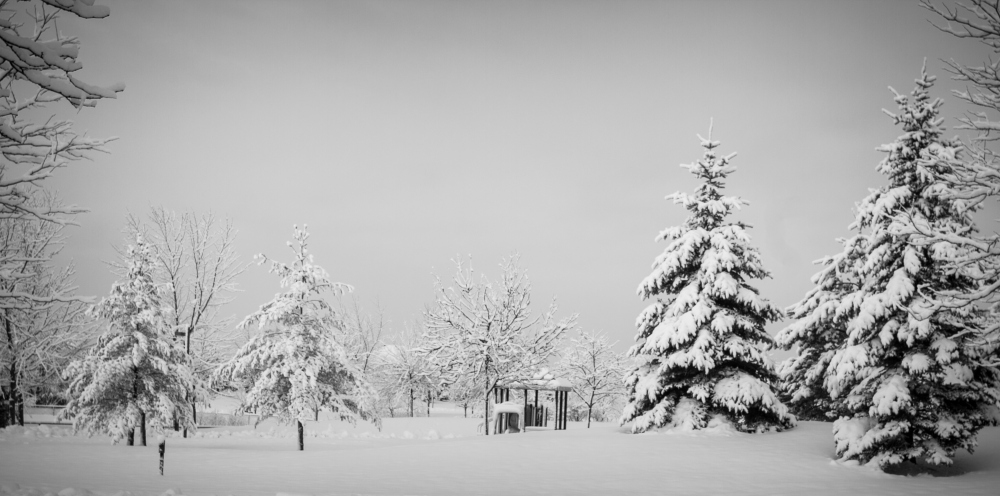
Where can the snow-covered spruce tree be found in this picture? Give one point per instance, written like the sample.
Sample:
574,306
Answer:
913,372
819,330
702,349
297,365
135,373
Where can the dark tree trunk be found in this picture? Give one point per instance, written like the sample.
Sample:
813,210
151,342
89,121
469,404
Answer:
411,402
590,408
301,434
15,401
486,409
428,403
465,410
142,428
317,415
130,438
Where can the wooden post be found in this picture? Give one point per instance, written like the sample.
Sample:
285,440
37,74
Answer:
562,404
562,412
535,409
559,411
524,414
555,418
163,447
301,429
565,408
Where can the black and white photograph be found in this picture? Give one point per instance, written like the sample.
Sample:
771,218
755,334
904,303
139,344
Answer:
495,247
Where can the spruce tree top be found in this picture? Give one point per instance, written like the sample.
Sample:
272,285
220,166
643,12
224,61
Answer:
919,165
707,261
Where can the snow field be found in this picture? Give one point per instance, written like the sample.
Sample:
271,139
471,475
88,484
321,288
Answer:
603,460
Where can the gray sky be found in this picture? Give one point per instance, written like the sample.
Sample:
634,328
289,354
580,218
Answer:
406,133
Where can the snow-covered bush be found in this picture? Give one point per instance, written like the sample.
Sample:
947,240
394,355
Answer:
702,347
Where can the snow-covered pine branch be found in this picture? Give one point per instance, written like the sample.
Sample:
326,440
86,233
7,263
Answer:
485,328
701,351
299,365
135,373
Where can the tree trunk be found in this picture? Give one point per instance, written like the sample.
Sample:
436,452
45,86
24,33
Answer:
465,410
130,438
428,403
590,408
411,402
317,415
134,398
142,428
15,401
301,432
486,409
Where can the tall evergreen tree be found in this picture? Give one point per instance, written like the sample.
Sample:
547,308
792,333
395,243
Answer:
702,348
909,371
135,373
298,364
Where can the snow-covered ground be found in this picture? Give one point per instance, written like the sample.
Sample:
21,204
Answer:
443,455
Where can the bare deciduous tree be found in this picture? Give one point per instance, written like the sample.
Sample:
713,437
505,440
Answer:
484,328
198,264
41,317
595,370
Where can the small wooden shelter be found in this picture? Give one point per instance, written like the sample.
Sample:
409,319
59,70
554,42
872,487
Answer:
506,413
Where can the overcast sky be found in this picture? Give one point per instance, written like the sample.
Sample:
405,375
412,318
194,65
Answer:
406,133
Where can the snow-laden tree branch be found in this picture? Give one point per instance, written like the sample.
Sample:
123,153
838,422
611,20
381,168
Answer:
37,63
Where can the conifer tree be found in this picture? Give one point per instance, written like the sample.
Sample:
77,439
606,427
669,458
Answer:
911,372
702,348
820,328
298,364
135,373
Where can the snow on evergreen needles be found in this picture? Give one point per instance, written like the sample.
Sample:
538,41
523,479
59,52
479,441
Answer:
297,365
901,363
702,349
134,369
